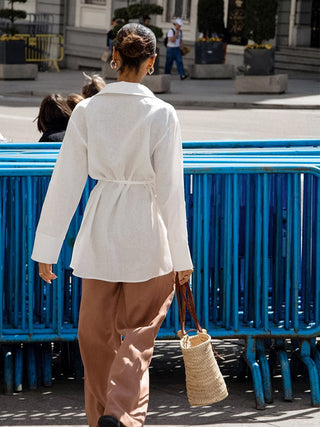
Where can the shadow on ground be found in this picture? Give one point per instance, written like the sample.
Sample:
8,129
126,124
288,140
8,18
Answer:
63,404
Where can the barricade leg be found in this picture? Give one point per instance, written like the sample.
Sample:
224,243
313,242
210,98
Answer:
31,368
265,371
313,373
315,353
47,364
8,372
18,368
256,373
285,371
78,367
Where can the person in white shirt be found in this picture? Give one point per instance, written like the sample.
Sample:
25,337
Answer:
173,49
133,243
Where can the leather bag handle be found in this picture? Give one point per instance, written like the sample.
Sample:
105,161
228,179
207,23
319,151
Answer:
185,301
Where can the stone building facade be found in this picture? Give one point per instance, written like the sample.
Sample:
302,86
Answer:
84,23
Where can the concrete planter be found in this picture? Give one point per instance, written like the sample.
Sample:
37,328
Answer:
159,83
212,71
259,62
208,52
18,71
277,83
12,52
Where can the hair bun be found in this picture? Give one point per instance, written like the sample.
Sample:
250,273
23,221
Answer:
132,45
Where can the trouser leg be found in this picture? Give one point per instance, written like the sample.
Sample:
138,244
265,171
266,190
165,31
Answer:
179,62
169,61
142,307
98,342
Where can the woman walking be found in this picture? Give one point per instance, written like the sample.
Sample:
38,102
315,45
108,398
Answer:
133,237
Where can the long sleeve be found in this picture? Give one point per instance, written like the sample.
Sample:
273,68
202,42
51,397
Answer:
168,164
64,191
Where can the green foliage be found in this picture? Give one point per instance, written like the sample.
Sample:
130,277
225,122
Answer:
13,14
137,11
260,20
210,17
157,31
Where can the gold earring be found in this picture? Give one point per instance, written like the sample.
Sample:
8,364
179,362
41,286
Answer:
150,71
113,65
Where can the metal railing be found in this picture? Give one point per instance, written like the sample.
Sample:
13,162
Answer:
253,220
41,48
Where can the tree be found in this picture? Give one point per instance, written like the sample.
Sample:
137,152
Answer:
210,17
137,11
260,20
13,14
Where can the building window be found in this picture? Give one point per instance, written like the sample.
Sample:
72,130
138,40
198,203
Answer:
178,9
97,2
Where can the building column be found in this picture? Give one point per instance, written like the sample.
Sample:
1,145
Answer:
292,18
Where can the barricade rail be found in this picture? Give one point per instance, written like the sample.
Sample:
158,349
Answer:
254,230
41,47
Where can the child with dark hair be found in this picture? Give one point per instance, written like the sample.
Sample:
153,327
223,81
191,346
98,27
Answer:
94,84
53,118
73,99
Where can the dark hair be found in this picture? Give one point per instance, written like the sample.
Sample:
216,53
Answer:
54,112
94,85
135,43
145,17
73,99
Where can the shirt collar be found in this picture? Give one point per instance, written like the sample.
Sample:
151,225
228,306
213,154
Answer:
126,88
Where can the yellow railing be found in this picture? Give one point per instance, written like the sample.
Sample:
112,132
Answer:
41,47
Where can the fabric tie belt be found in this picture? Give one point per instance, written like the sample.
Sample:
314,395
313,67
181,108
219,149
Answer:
129,182
150,184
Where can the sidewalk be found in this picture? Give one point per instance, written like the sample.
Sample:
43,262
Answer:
63,404
304,94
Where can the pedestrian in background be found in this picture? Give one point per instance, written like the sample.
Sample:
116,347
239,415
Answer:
53,117
111,34
146,20
94,84
73,99
133,239
175,42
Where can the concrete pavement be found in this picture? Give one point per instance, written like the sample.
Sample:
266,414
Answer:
63,404
187,93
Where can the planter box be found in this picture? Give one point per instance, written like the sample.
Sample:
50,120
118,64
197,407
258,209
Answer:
277,83
212,71
12,52
18,71
209,52
259,62
159,83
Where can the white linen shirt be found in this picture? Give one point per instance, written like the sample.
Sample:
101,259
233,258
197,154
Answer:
177,42
134,225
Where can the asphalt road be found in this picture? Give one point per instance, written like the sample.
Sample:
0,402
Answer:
17,123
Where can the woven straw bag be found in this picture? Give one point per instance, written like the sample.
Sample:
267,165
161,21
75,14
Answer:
204,381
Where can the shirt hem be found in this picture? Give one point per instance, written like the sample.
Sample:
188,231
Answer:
81,275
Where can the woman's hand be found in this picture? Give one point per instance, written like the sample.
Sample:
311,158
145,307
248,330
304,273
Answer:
184,276
45,272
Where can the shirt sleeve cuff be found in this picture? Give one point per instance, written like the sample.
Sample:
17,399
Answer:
181,258
46,248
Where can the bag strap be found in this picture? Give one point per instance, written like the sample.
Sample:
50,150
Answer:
185,300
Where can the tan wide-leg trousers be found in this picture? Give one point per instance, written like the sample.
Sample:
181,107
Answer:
118,324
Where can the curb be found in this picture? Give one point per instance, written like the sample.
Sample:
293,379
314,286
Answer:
34,97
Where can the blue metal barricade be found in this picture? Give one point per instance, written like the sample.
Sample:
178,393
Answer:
254,230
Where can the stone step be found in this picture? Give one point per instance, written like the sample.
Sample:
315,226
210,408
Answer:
297,60
294,74
295,66
308,53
